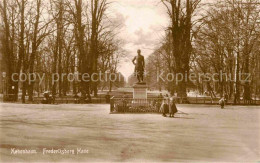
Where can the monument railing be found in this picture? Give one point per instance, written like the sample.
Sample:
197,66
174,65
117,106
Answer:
130,105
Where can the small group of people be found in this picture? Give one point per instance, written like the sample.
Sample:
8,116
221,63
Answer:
168,106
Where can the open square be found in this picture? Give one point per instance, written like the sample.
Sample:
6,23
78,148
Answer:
197,133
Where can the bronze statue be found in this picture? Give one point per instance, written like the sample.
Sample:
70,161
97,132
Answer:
138,61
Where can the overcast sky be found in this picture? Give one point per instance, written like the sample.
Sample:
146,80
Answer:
143,25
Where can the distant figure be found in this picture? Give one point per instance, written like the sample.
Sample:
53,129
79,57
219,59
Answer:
172,108
138,61
167,99
165,105
222,102
163,108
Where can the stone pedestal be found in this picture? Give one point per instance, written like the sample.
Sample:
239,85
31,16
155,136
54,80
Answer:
140,91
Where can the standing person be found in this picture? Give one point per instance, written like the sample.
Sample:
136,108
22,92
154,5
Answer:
163,108
172,108
165,105
222,102
167,99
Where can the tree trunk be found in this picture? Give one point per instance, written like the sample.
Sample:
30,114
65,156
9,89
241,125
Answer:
247,91
34,49
60,38
237,84
21,49
8,52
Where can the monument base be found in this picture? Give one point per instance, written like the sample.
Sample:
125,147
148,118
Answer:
140,91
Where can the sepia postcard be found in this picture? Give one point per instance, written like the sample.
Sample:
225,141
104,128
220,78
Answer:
130,81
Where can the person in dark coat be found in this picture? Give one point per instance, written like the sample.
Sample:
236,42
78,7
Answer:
164,108
172,108
165,105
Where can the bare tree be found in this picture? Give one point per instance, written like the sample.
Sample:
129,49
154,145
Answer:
7,42
98,8
180,13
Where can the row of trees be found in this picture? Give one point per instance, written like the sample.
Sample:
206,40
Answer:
57,36
223,39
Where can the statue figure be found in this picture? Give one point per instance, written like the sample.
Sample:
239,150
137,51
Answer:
138,61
